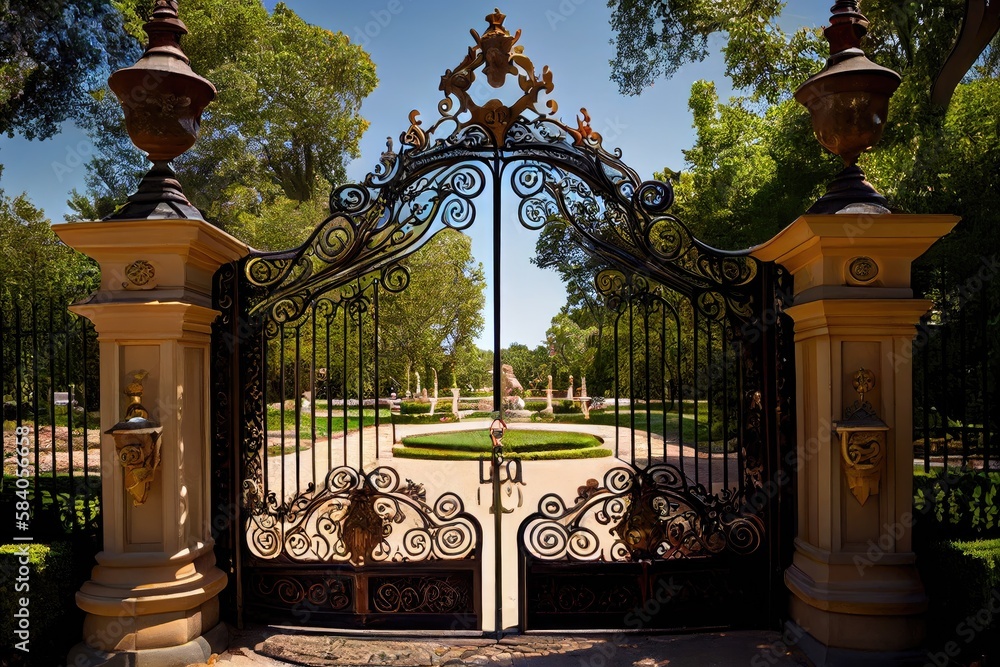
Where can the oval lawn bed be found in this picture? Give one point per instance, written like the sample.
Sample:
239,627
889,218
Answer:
527,445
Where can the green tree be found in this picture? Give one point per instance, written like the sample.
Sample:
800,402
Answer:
531,366
277,138
52,53
571,345
435,321
36,262
558,248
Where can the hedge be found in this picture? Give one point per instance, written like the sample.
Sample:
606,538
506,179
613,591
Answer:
962,580
55,573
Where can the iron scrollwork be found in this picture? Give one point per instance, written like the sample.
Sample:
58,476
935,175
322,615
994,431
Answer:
362,519
649,514
450,594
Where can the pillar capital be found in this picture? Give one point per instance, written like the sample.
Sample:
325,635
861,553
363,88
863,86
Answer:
153,260
831,256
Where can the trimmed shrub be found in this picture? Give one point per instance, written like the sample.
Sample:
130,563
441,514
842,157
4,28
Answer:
962,580
414,408
55,573
565,407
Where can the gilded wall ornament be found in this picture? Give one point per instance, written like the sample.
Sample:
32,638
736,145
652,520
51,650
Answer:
862,440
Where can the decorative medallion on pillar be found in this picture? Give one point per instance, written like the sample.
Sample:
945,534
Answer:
862,440
137,443
163,100
139,274
848,102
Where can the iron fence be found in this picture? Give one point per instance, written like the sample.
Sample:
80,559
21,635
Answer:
956,362
51,423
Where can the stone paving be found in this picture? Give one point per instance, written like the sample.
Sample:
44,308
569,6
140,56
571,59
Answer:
270,647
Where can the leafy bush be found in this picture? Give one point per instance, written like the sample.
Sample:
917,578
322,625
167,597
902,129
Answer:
565,407
414,408
956,504
426,418
962,580
56,572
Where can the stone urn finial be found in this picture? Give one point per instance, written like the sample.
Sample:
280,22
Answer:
163,100
848,101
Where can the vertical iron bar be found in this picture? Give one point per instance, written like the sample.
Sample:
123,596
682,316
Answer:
281,406
649,416
377,392
71,396
329,395
631,375
985,370
51,345
925,359
34,397
741,415
711,386
361,383
264,405
679,388
725,408
497,399
346,308
697,371
618,318
297,406
663,373
963,395
944,408
312,396
18,375
82,323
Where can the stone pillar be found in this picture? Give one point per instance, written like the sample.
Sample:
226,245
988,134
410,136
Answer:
153,597
854,587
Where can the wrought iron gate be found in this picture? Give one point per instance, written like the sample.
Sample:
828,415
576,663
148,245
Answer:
687,527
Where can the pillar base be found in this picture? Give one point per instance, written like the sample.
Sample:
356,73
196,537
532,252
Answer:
821,655
874,612
194,652
145,601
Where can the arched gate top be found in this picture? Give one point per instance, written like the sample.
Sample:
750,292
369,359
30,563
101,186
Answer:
560,173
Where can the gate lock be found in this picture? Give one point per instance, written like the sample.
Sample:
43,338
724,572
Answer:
502,473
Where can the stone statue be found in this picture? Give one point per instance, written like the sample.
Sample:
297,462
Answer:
548,398
569,390
434,398
510,386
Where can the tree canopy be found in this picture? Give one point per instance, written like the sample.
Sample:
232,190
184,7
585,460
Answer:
755,165
278,136
52,54
435,321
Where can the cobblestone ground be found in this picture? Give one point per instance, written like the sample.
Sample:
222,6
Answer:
262,648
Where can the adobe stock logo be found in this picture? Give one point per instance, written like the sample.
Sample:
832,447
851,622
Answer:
381,18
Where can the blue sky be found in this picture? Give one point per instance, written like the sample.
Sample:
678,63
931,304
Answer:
412,42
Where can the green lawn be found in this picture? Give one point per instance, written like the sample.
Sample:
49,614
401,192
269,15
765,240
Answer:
324,425
529,445
607,418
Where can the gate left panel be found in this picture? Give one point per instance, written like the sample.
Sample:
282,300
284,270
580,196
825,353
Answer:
316,525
